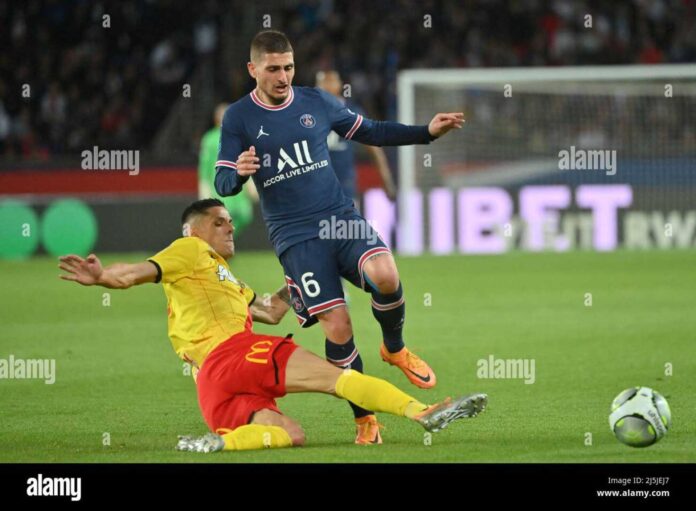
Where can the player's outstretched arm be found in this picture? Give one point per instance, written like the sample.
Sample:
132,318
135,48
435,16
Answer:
271,310
388,133
354,126
90,272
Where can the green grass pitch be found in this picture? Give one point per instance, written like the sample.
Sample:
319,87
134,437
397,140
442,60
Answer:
118,382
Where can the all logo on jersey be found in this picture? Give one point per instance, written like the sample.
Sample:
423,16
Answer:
294,162
302,156
307,121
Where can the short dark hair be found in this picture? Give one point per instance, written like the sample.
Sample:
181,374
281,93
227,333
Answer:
269,41
198,208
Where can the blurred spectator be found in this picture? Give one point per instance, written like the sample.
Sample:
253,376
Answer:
5,124
360,37
72,79
115,85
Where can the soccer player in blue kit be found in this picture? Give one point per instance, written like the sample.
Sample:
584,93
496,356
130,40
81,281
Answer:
277,135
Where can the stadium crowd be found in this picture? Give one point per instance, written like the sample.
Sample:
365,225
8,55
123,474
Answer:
96,75
113,87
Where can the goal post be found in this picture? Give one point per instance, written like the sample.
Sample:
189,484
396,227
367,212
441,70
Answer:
593,157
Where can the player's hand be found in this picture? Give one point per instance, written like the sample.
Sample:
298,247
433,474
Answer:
83,271
248,162
442,123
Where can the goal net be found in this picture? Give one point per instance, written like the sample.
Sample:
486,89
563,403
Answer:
549,159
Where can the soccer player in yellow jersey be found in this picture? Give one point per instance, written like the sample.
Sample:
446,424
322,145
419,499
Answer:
240,373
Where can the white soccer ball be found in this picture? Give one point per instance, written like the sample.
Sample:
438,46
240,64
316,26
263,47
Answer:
640,416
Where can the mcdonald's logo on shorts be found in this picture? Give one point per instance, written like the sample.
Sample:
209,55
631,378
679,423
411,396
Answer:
257,352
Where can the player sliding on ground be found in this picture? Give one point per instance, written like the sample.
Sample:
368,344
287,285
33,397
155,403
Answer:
240,373
278,136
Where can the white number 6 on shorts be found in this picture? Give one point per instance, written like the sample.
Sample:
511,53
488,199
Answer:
310,286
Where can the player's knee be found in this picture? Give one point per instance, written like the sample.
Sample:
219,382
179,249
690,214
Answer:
382,275
339,334
296,433
298,438
390,286
268,417
387,282
337,326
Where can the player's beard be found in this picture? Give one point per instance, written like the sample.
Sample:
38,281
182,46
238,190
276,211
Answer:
280,95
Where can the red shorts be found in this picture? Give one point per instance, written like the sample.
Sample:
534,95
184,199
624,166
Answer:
241,376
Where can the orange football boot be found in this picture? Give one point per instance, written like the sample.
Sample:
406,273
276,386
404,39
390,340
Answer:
415,369
367,429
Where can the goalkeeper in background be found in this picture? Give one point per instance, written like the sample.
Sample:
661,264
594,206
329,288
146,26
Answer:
241,206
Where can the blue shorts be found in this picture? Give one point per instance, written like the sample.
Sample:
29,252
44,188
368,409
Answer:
313,269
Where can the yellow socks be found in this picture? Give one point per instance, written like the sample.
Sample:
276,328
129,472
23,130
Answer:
365,391
413,409
254,436
375,394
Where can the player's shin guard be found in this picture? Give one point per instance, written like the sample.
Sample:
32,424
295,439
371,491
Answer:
255,436
346,356
390,311
376,394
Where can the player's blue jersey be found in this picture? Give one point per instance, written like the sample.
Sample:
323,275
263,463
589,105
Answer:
342,153
296,182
